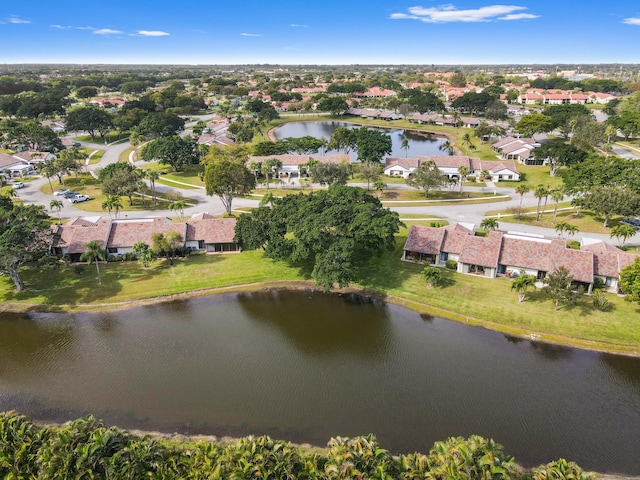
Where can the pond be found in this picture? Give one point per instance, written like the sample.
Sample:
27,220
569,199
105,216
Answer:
419,143
306,366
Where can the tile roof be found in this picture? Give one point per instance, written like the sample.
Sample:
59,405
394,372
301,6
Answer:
210,229
578,262
76,233
124,233
525,253
8,160
483,251
454,241
425,240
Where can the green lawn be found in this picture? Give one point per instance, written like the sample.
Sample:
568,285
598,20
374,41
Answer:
586,221
462,297
534,175
96,157
112,136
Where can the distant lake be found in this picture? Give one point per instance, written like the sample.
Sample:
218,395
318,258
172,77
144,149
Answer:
419,144
305,366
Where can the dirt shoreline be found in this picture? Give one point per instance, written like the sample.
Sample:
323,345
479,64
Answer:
419,307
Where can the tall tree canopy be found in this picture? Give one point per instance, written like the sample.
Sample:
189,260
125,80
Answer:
335,230
25,236
559,154
226,175
173,150
93,120
372,145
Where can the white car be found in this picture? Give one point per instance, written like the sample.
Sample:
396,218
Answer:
17,185
62,191
79,198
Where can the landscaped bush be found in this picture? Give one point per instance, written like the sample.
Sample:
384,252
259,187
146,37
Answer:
86,448
451,264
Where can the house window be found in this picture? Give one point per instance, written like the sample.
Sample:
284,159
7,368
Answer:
112,250
476,269
541,274
200,244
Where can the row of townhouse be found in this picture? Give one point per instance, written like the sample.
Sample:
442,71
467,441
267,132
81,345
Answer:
445,120
449,165
505,254
518,149
202,232
564,98
374,113
22,163
292,163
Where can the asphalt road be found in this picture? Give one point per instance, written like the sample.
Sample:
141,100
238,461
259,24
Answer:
469,213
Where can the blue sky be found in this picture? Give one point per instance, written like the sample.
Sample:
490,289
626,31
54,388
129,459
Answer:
321,32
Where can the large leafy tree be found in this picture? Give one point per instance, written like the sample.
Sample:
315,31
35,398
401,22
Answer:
427,177
226,174
335,230
333,105
30,134
331,174
630,281
372,145
608,201
93,120
161,124
534,123
120,179
25,237
563,116
343,139
173,150
559,154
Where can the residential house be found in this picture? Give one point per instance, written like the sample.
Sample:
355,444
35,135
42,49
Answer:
519,149
13,166
291,163
202,232
506,254
449,165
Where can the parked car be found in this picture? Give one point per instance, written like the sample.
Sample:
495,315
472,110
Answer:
62,191
17,185
634,222
79,198
70,194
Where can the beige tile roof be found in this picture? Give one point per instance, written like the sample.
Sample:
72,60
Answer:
210,229
483,251
124,233
425,240
79,231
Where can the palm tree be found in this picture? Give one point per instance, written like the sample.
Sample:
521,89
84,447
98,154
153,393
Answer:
622,232
93,252
540,192
464,173
48,170
562,227
522,190
152,176
178,207
610,131
379,186
557,196
405,146
144,253
446,147
489,224
468,141
57,204
112,203
522,283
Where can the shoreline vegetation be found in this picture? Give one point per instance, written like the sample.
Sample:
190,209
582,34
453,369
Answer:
477,301
44,449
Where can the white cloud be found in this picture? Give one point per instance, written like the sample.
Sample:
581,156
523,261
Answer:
449,13
297,25
519,16
152,33
107,31
17,20
59,27
251,34
632,21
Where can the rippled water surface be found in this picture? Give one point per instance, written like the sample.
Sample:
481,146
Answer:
308,366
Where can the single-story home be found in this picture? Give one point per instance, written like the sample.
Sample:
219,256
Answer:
519,149
505,254
13,166
202,232
449,165
291,163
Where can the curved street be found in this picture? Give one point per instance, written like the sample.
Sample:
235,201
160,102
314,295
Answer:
468,213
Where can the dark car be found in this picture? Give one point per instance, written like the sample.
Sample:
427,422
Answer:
70,194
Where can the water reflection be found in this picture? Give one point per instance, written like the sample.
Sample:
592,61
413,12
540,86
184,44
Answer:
321,324
420,143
